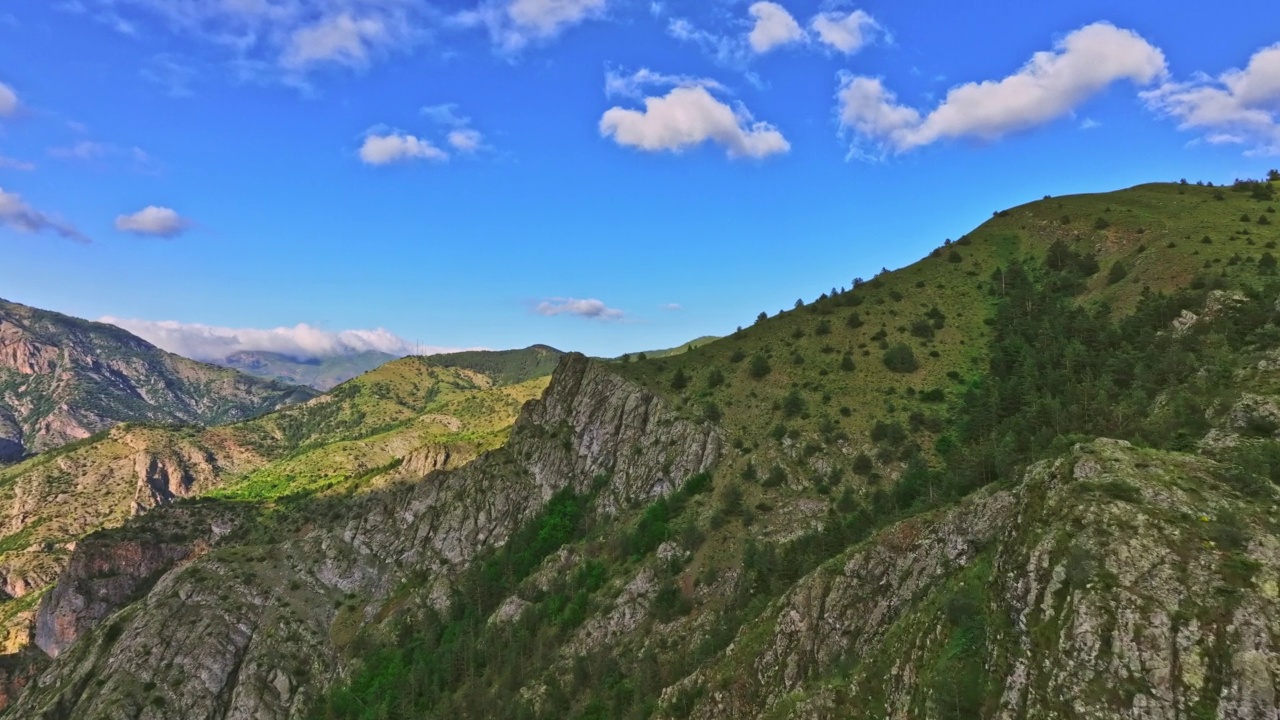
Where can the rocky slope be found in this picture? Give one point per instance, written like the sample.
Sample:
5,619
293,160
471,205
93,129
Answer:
64,379
212,632
403,420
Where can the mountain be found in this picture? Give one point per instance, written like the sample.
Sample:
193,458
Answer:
505,367
656,354
64,379
406,418
1030,476
317,373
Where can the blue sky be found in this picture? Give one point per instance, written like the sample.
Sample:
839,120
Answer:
599,175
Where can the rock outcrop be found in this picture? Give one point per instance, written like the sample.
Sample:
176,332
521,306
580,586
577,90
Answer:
253,631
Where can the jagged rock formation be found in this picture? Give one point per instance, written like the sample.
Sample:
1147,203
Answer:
64,379
214,634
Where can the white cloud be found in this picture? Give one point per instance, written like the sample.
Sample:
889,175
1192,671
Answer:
8,101
83,150
445,114
846,32
8,163
1239,107
212,344
155,221
513,24
341,38
1090,124
466,140
287,37
22,217
138,159
773,27
673,307
688,116
619,84
729,51
589,308
398,147
1049,86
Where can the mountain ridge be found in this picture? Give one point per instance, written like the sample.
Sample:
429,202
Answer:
64,379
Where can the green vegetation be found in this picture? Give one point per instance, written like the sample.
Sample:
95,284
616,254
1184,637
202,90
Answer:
504,367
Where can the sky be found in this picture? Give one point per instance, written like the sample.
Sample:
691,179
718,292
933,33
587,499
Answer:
323,176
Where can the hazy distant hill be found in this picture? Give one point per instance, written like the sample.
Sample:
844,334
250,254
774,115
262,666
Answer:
505,367
319,373
63,378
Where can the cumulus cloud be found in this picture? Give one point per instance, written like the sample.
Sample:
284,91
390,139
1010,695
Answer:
392,147
8,101
773,27
846,32
513,24
1238,107
687,116
155,221
1052,84
302,342
589,308
341,38
17,214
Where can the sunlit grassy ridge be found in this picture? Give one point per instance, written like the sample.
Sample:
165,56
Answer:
824,378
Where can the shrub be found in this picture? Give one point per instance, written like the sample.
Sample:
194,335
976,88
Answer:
759,367
955,257
1117,273
793,404
737,356
711,412
1101,224
824,328
854,321
715,378
901,359
679,381
846,363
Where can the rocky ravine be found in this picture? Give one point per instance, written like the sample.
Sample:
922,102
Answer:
247,630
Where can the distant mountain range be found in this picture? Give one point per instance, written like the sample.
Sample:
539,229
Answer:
63,379
317,373
505,367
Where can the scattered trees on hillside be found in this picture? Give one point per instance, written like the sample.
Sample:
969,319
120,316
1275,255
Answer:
1273,175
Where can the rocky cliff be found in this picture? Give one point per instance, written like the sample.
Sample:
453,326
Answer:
258,629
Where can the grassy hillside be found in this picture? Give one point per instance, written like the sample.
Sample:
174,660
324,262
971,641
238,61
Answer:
681,349
1021,339
505,367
